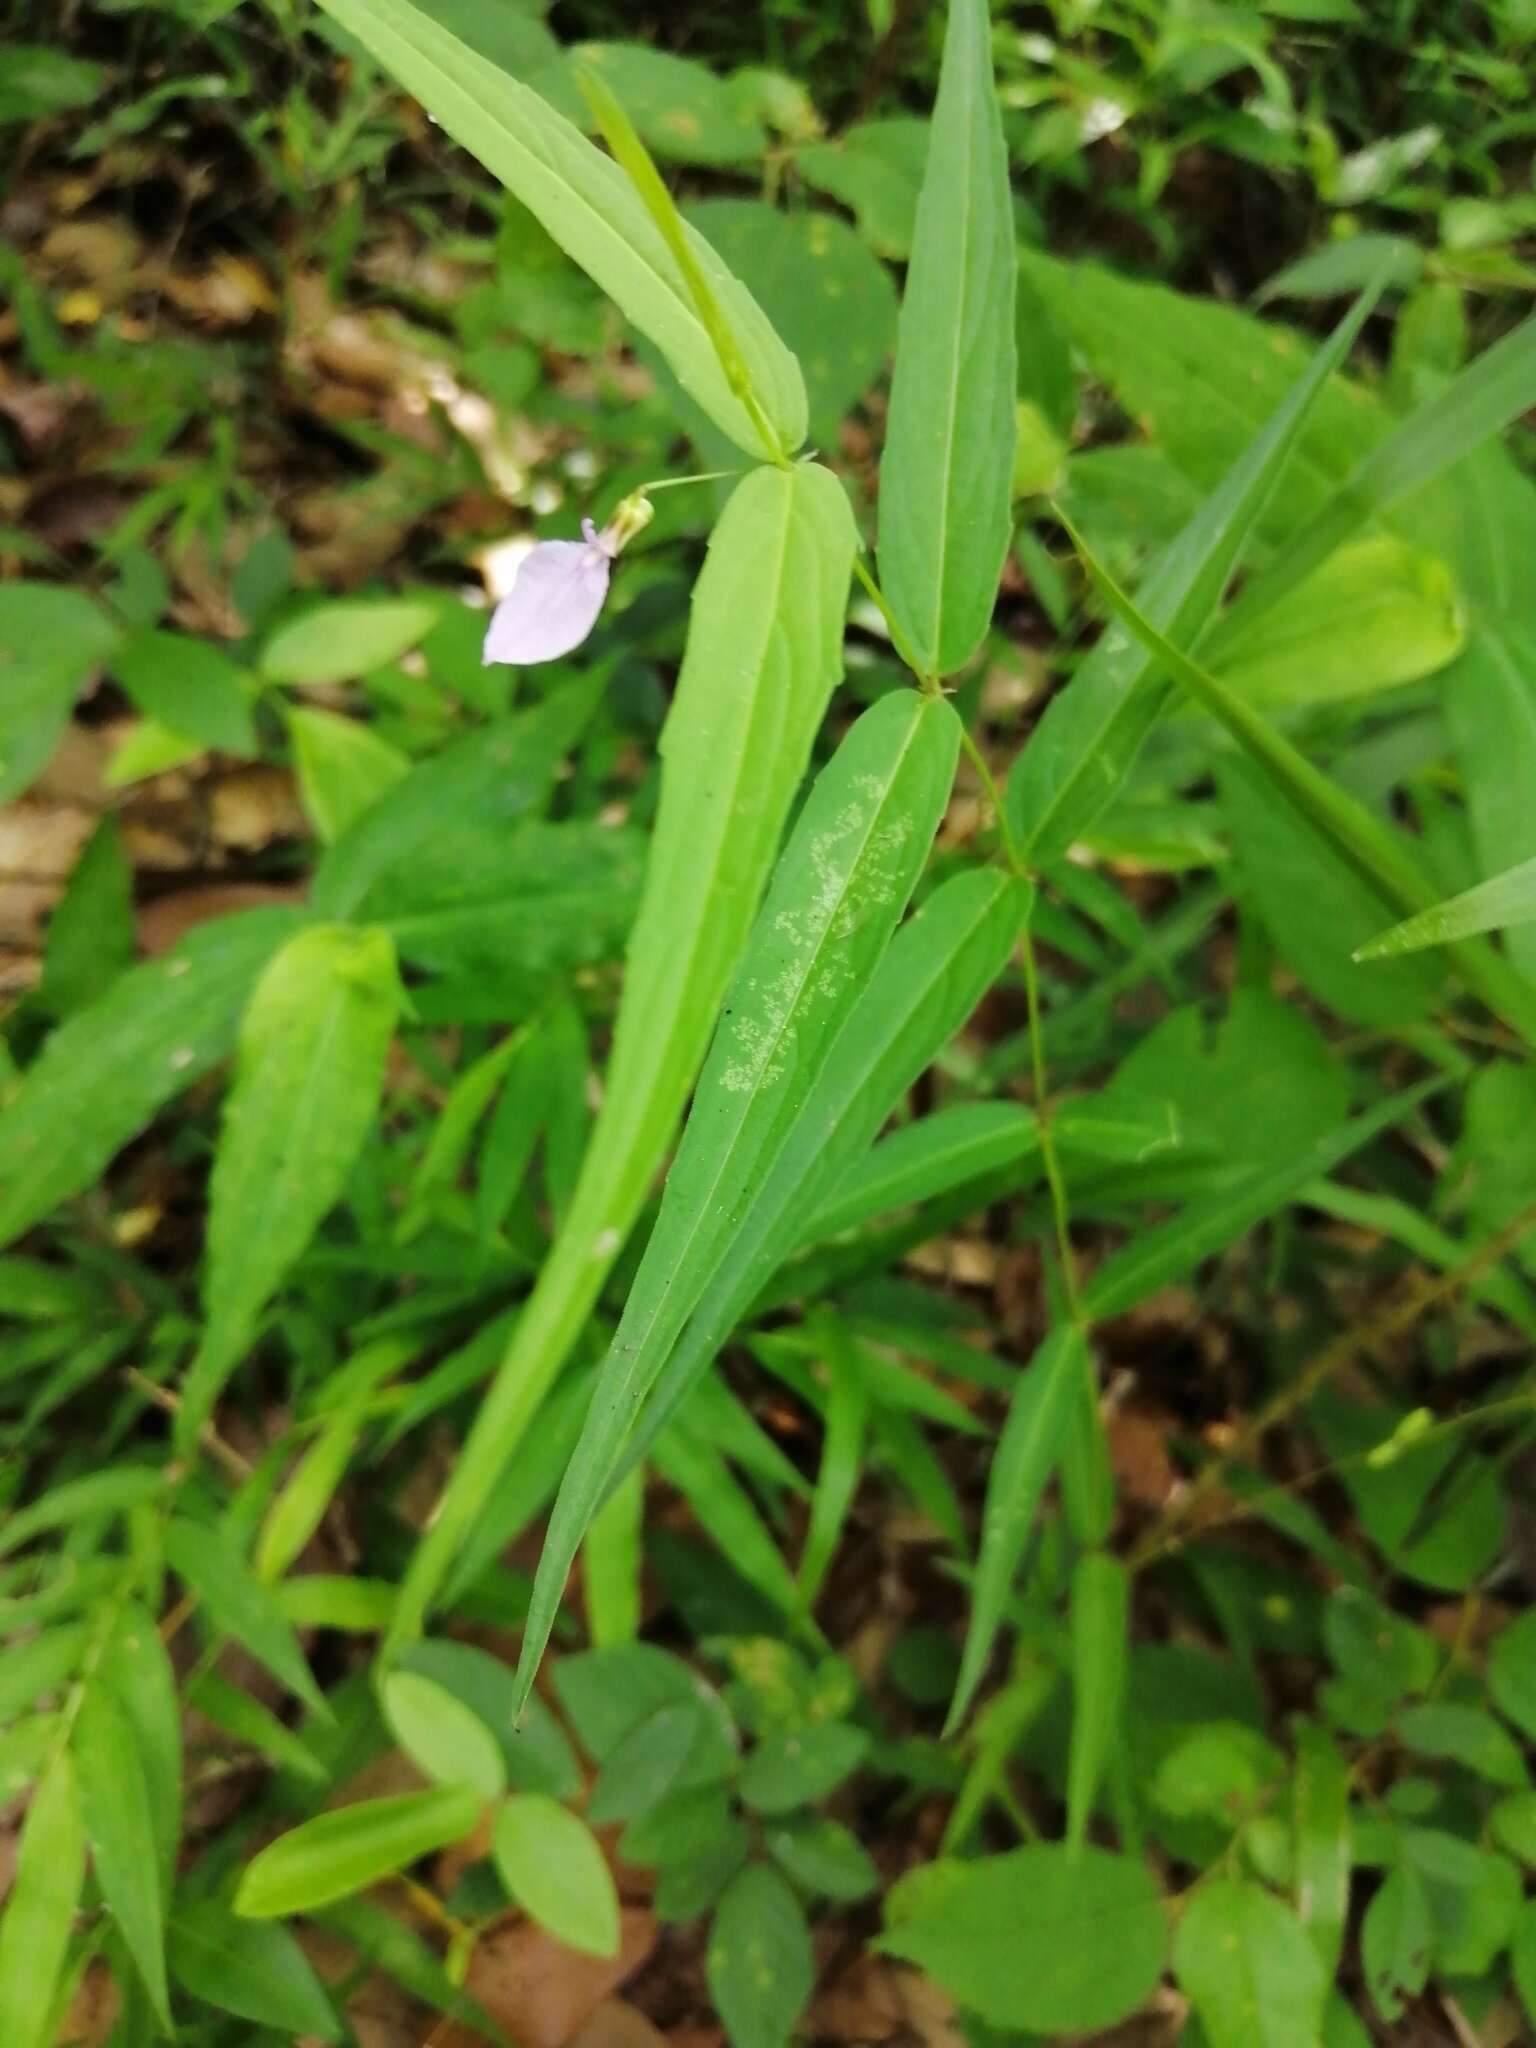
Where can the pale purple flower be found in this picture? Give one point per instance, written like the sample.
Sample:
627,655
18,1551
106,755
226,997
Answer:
559,589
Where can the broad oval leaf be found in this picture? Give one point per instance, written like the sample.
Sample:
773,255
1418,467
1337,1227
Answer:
191,686
587,205
346,637
759,1962
1247,1967
443,1737
553,1866
832,301
313,1044
343,768
1055,1940
946,479
343,1852
768,614
1317,908
51,638
680,109
1376,614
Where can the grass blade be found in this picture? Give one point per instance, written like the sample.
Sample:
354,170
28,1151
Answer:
1369,848
1022,1464
1480,402
1091,733
1099,1613
1502,900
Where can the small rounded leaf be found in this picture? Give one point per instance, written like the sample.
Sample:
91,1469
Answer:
442,1736
551,1863
760,1965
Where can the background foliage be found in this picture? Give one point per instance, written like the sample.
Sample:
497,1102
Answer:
1052,1540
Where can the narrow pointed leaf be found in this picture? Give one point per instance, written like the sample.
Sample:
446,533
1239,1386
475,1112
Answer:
312,1049
136,1668
1377,855
40,1909
209,1563
764,650
933,975
1502,900
587,204
343,1852
1091,733
1475,405
1026,1454
115,1808
1169,1251
255,1971
1099,1614
946,479
922,990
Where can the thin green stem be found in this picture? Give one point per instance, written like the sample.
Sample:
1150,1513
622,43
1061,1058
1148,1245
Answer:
978,761
898,639
1049,1158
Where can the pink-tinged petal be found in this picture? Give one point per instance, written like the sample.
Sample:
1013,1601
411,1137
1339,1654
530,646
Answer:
553,603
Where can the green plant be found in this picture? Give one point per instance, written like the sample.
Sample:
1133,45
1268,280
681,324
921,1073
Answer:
1311,719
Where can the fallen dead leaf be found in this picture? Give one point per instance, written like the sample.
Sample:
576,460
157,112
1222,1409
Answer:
874,2000
617,2024
543,1993
253,806
163,923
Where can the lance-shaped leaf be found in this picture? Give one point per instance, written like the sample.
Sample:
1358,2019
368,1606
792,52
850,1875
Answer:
585,202
923,988
1480,402
764,650
1379,857
1503,900
104,1074
1099,1613
933,975
312,1049
115,1807
1026,1455
1083,747
40,1908
342,1852
946,479
844,880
